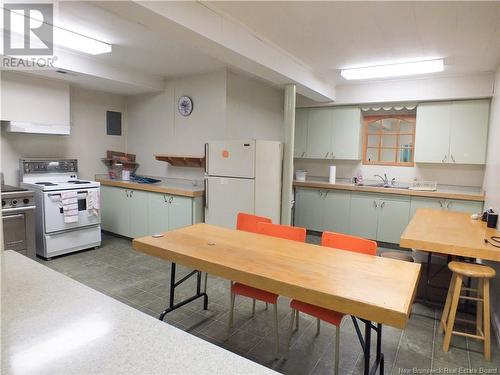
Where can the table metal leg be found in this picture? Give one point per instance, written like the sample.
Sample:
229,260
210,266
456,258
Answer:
366,345
173,284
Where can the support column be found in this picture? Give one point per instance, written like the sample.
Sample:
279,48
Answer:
289,135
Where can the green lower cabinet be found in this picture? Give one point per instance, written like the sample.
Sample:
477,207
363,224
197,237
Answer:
158,213
112,203
363,220
393,217
309,209
336,207
471,207
180,212
445,204
419,202
137,213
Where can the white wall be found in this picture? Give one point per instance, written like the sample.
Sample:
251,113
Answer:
87,142
492,187
460,175
225,106
411,90
254,110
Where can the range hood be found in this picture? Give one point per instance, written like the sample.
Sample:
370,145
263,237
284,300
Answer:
36,128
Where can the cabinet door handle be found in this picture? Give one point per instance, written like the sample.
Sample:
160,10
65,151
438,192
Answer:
375,204
131,193
444,159
326,193
453,159
382,204
441,203
320,193
303,153
326,155
126,193
448,205
171,199
164,198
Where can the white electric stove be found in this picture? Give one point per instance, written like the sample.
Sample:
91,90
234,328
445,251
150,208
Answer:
49,178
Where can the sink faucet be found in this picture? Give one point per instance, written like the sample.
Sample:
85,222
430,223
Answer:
384,179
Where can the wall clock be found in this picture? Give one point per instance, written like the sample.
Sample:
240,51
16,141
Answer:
185,105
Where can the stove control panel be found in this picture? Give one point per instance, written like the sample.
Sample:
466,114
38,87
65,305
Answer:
17,202
30,166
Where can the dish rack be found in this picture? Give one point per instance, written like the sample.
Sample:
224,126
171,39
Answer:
423,185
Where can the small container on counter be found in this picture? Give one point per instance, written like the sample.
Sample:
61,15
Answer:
300,175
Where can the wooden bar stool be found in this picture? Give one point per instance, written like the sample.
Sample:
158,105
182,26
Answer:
483,274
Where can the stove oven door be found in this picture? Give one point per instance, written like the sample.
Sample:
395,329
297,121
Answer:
53,212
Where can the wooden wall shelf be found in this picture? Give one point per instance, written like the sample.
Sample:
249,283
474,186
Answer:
182,160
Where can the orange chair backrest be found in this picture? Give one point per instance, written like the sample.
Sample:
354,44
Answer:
282,231
248,222
351,243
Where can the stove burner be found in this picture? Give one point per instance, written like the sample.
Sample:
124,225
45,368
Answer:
45,183
78,182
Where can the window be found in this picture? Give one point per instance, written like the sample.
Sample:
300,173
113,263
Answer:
389,140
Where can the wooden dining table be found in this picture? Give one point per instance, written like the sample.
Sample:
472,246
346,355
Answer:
371,289
449,233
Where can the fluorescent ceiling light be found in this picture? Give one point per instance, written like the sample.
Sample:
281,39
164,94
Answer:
62,37
394,70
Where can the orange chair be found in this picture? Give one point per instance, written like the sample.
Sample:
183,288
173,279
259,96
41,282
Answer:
275,230
248,222
338,241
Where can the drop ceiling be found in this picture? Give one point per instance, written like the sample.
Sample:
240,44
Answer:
331,35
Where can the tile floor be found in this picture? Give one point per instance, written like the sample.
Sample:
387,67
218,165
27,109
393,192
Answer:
140,281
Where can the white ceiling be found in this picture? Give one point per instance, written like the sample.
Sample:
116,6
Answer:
135,48
329,36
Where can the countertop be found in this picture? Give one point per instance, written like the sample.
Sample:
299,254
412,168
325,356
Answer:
52,324
449,232
445,192
167,186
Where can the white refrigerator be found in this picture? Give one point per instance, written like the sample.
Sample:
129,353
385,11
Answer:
242,176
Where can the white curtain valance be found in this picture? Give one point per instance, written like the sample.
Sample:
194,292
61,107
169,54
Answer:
392,108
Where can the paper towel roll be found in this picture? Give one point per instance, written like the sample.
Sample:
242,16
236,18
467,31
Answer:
333,172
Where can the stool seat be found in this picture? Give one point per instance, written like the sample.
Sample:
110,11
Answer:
397,255
472,270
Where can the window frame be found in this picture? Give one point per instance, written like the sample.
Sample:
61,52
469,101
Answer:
373,118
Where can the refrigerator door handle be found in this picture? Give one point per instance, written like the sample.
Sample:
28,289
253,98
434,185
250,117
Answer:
206,192
206,157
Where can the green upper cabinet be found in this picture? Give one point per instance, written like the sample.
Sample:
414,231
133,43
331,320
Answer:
319,130
300,143
346,133
432,133
452,132
469,131
328,133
